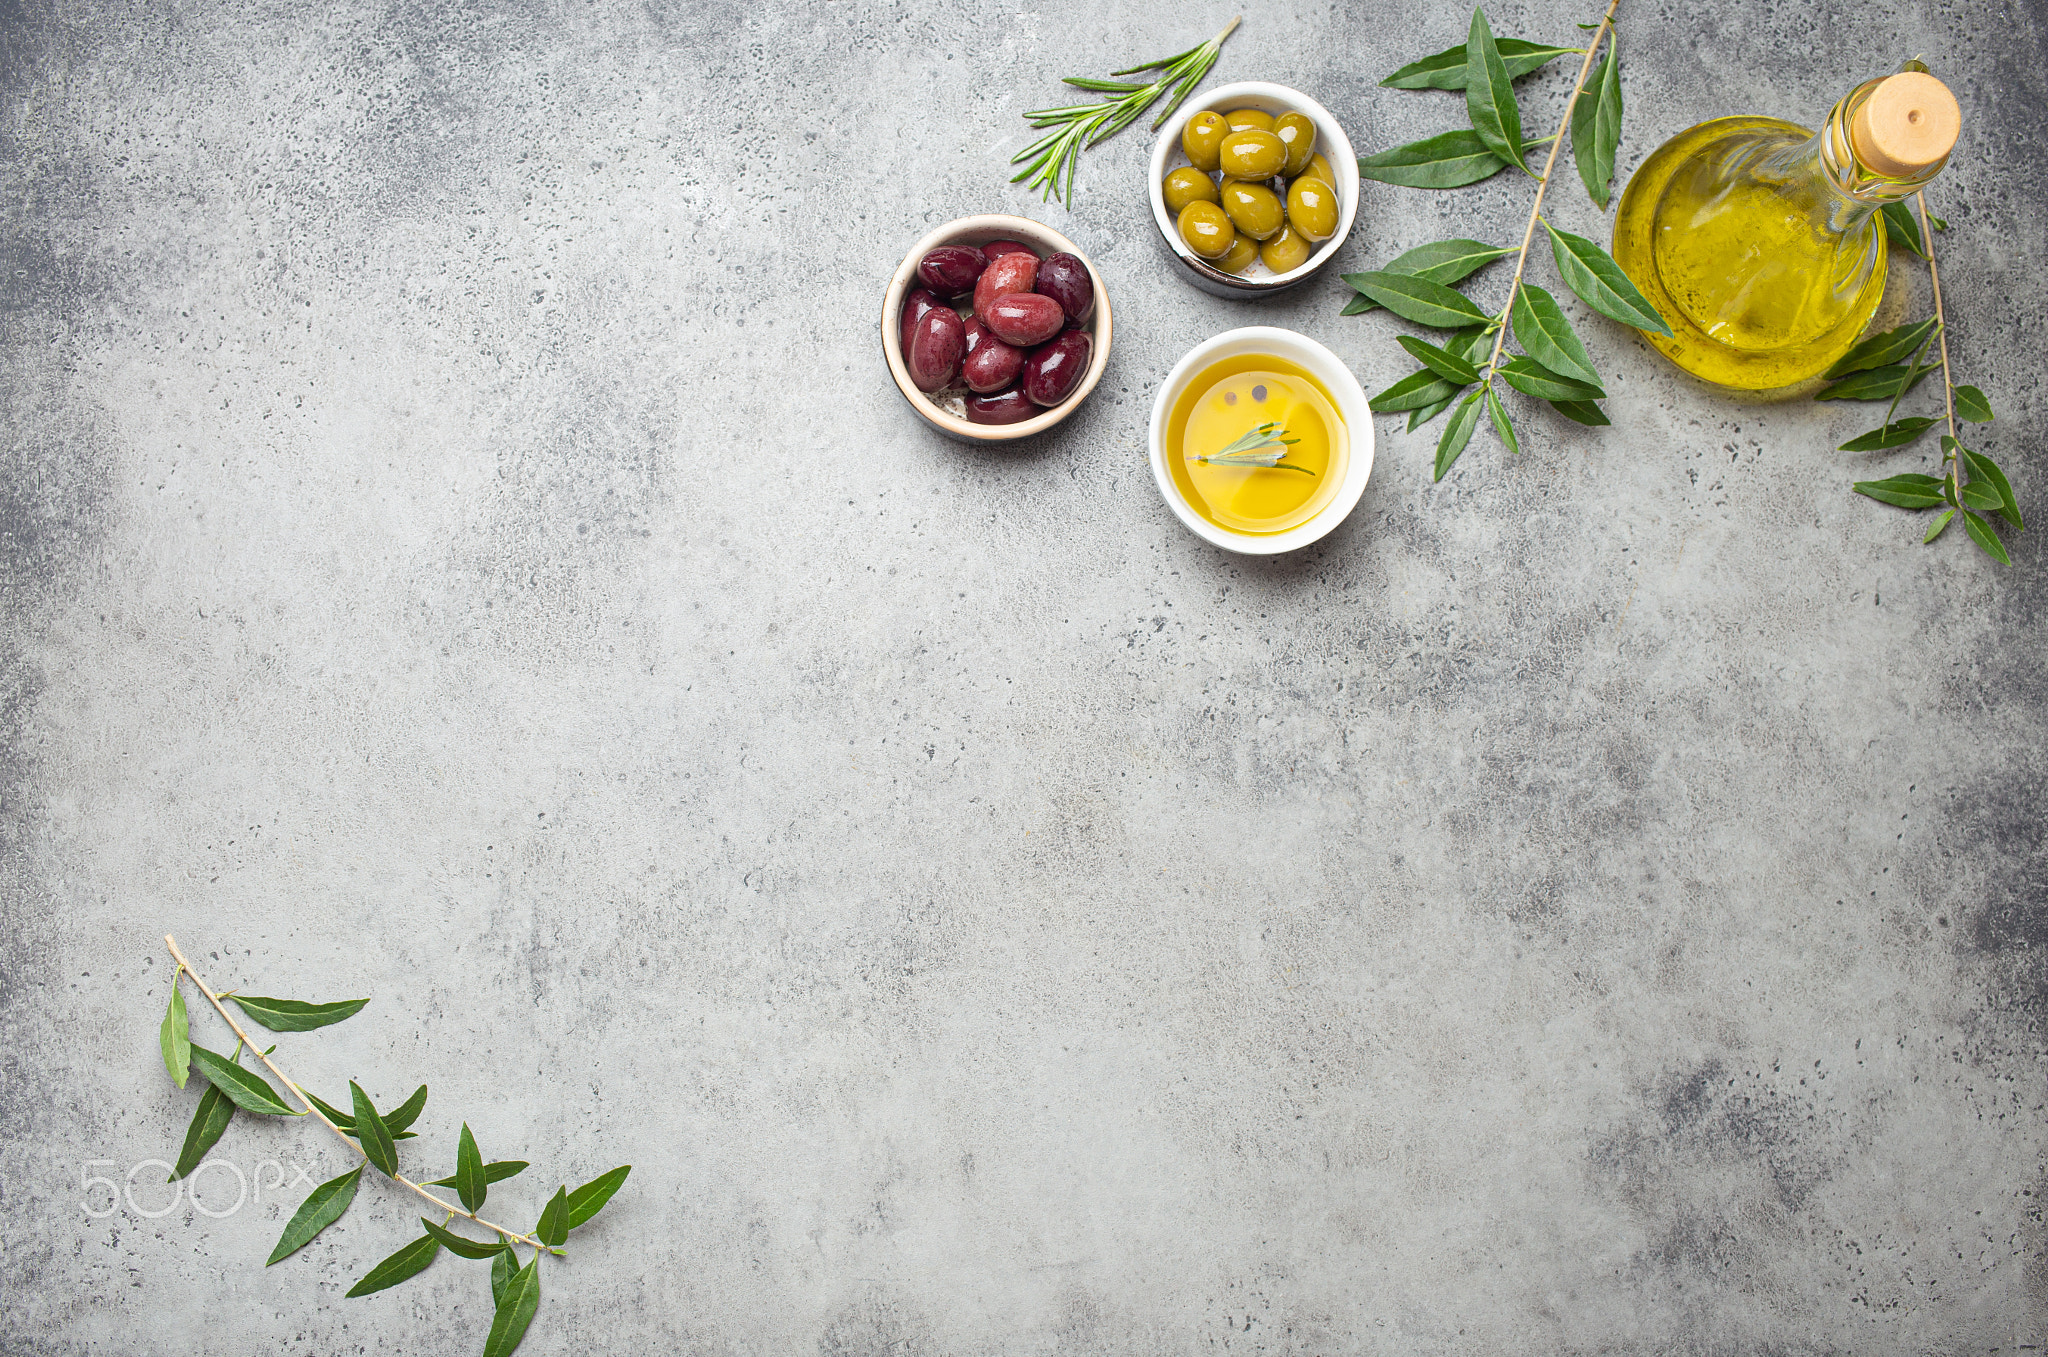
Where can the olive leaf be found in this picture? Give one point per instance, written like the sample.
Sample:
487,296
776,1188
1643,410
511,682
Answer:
1596,127
554,1219
494,1172
1876,384
1892,346
1981,533
1902,229
1894,435
372,1133
1418,418
470,1182
176,1036
1542,330
246,1090
1939,524
1592,273
1447,160
502,1269
1584,412
323,1206
515,1311
1442,362
1490,95
587,1200
1441,261
460,1247
1413,392
406,1112
409,1261
1501,423
1419,300
1457,434
1910,491
208,1122
1445,70
1971,405
291,1015
1984,471
1531,378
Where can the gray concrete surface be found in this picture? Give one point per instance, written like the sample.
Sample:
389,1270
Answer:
462,548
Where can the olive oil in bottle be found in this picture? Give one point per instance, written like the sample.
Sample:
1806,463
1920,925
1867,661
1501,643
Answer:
1760,242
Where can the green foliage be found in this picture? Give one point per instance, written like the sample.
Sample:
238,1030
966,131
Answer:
291,1015
176,1036
1049,162
208,1122
1596,127
1886,367
322,1207
244,1089
1445,70
229,1087
408,1262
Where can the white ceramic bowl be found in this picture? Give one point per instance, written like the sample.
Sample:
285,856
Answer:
1336,379
1331,143
979,231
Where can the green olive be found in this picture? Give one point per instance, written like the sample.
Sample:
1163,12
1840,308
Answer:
1243,250
1241,118
1298,135
1312,208
1252,154
1285,251
1205,229
1187,185
1319,168
1254,209
1201,138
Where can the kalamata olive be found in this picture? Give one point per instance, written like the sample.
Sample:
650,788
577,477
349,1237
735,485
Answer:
951,270
916,302
1005,407
1025,318
1064,278
1006,274
996,247
990,364
1053,370
936,344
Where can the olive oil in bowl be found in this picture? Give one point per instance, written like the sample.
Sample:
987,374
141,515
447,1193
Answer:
1256,445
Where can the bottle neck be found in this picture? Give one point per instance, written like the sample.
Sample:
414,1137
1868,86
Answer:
1851,190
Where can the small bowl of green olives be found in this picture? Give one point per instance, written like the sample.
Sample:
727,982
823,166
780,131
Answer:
1253,190
995,328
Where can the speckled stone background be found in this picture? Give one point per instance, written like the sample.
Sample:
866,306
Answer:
461,547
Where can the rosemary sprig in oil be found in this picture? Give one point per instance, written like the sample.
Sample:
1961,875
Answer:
1049,162
1259,446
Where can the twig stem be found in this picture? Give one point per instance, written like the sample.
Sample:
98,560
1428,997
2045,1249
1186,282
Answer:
1948,386
1542,184
300,1094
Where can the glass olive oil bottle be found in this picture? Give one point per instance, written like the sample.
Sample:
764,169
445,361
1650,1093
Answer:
1760,241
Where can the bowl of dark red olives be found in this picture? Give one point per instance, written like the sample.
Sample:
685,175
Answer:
995,328
1253,190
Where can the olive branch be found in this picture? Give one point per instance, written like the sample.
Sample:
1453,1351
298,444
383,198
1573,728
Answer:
230,1087
1417,286
1970,483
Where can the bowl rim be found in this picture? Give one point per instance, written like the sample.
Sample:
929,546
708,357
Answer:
993,226
1344,390
1343,161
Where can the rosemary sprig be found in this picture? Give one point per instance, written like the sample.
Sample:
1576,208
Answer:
1076,127
1256,447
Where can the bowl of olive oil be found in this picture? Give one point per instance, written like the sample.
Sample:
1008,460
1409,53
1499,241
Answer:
1261,440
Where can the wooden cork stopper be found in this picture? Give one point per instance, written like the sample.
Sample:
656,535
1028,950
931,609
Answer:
1907,126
